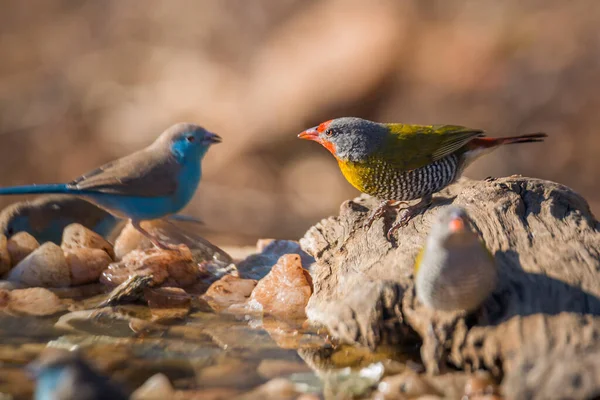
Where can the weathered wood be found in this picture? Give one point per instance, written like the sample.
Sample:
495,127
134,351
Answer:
546,243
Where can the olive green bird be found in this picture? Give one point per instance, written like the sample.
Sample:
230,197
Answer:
454,270
400,162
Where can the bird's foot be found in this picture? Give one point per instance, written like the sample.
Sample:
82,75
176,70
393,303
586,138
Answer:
155,241
409,213
380,210
163,246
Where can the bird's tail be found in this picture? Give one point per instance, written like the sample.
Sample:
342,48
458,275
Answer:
488,142
54,188
483,145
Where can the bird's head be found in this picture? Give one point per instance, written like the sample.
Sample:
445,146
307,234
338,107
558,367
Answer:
453,228
187,140
348,138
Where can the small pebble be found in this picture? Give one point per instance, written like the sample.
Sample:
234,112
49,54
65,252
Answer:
229,290
20,245
86,264
285,291
76,236
481,383
33,301
173,268
157,387
4,255
46,267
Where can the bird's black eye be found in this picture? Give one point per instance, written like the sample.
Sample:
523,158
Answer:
329,132
190,138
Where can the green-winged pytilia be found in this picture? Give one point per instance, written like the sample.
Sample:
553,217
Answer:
401,162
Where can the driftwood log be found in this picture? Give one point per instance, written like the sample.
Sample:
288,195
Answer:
546,308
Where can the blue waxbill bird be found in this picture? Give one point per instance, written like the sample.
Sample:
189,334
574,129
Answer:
151,183
64,375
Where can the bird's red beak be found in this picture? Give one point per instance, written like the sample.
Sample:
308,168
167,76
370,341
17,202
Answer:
310,134
457,224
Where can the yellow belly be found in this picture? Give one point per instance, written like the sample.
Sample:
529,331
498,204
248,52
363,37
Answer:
360,175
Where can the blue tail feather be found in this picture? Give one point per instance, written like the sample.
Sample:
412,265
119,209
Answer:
54,188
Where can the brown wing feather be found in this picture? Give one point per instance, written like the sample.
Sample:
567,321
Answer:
145,173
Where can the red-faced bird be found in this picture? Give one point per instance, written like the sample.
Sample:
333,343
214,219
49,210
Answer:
400,162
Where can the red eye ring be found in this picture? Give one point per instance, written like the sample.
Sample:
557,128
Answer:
190,138
328,132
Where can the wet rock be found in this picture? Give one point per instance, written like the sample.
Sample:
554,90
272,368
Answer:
207,394
405,385
257,266
157,387
229,371
346,383
170,232
211,271
229,290
86,264
108,321
168,267
20,245
481,384
545,243
269,369
167,304
167,297
5,262
285,291
33,301
276,389
76,236
129,291
46,267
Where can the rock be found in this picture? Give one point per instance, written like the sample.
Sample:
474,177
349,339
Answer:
131,290
86,264
257,266
46,267
157,387
20,245
5,263
76,236
558,375
274,368
167,297
228,372
285,290
481,384
33,301
131,239
275,389
405,385
546,245
229,290
172,268
167,304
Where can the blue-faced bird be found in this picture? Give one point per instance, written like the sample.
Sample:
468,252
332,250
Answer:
64,375
152,183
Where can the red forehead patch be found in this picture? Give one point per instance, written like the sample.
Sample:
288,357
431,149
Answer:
323,126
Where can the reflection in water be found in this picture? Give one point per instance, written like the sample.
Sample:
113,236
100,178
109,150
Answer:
204,351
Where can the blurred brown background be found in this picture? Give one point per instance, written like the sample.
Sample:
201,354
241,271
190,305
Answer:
83,82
